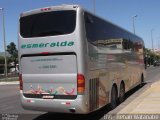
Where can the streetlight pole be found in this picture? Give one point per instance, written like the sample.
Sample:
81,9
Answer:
158,45
152,38
4,40
133,22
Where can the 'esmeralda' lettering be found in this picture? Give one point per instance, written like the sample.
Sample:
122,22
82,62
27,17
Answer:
43,45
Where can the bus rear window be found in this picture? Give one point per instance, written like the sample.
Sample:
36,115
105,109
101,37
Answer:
48,24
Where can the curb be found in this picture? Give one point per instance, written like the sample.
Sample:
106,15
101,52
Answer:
5,79
138,100
144,103
10,83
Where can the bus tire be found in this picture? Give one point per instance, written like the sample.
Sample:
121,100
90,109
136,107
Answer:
113,103
122,93
142,80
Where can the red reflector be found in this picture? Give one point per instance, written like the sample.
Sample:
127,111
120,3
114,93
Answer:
28,100
68,103
45,53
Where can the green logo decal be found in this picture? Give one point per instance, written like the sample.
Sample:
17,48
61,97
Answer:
43,45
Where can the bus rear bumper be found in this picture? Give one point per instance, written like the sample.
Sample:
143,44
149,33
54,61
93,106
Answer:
77,105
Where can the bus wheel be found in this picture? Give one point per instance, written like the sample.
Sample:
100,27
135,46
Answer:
122,93
113,103
142,80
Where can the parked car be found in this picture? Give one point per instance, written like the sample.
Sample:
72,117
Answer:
157,63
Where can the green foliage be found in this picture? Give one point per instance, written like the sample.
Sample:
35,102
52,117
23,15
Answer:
12,50
151,56
1,64
1,60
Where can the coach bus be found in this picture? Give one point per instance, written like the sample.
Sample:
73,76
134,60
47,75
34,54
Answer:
72,61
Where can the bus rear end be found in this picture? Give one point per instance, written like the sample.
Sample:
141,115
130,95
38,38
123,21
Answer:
51,60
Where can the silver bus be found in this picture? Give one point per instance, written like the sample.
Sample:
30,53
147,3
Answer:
72,61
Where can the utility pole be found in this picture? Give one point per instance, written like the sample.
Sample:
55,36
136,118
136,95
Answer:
4,40
152,39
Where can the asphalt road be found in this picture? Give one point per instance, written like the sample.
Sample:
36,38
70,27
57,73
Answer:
10,103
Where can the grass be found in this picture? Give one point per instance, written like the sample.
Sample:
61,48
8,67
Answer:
9,79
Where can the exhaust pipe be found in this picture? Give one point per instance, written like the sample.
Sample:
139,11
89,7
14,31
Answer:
72,110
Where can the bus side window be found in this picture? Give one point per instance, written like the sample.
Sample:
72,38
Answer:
88,19
90,28
128,45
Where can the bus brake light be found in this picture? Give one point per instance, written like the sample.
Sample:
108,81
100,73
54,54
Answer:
80,84
21,82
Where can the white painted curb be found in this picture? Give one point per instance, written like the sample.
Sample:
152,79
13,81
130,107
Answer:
9,83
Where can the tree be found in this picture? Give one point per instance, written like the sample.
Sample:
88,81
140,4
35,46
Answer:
151,56
1,64
1,60
12,50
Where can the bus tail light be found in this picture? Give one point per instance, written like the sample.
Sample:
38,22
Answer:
80,84
21,82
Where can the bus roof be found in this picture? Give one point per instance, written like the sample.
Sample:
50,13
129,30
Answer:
50,8
73,7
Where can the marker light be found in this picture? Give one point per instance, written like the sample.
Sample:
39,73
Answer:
45,9
45,53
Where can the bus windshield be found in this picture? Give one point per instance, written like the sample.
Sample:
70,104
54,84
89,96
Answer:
48,24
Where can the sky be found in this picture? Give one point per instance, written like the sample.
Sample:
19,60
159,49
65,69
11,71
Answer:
119,12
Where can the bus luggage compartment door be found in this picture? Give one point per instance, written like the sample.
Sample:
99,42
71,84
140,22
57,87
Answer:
49,76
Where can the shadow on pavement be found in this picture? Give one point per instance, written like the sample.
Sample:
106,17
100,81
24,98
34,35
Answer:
61,116
134,90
